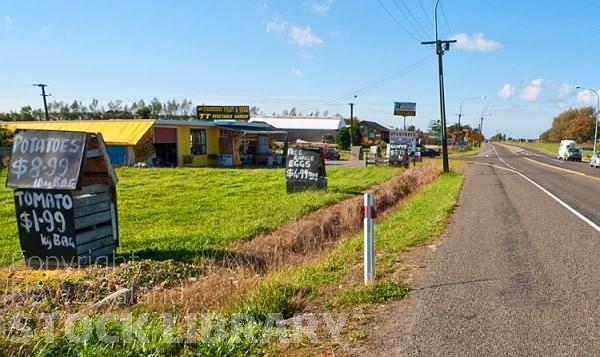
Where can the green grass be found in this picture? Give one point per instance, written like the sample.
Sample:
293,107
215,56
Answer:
377,293
183,213
424,217
550,147
454,151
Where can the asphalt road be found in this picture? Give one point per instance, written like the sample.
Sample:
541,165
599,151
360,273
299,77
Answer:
518,270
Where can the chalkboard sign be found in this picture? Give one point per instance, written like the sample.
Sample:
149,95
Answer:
305,168
46,159
46,223
398,154
65,197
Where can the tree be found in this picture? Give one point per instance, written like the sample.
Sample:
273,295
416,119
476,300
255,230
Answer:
75,109
293,112
342,138
576,124
144,112
497,137
6,137
26,113
434,126
255,110
186,107
156,107
172,108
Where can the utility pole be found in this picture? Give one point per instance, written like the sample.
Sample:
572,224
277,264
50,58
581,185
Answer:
351,124
440,47
481,126
43,86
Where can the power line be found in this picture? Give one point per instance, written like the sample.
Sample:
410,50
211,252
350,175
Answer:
375,84
398,22
411,19
14,85
425,14
446,20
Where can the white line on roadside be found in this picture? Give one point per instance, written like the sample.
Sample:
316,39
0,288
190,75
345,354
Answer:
569,208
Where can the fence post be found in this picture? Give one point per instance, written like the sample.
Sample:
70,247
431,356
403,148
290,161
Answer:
369,251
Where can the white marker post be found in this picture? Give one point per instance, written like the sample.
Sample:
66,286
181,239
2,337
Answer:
369,251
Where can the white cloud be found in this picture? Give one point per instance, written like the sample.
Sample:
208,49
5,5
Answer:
477,42
320,7
296,72
276,26
587,97
303,37
507,91
565,89
532,92
8,21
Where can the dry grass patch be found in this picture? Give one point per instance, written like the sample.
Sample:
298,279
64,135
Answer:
242,266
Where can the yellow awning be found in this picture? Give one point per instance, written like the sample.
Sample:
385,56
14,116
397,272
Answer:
114,132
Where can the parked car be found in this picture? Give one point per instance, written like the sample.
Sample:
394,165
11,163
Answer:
595,160
332,154
429,152
564,148
573,154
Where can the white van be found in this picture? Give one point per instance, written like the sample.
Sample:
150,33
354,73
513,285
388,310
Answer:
566,150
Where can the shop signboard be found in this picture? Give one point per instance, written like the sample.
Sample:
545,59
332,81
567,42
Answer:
305,169
221,112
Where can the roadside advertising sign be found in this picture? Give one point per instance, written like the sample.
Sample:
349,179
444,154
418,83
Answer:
405,109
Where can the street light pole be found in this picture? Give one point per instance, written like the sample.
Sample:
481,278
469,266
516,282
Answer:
597,113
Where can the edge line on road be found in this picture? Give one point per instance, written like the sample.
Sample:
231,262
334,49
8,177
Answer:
562,203
563,169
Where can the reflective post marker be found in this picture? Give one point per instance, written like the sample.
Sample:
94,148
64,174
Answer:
369,254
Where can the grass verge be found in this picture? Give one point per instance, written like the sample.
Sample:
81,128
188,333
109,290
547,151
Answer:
264,318
186,214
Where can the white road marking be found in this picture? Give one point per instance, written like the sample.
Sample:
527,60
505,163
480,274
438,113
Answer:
562,203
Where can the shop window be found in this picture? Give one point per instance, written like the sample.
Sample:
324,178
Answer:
198,141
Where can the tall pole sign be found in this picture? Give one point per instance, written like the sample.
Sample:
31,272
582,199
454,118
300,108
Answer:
405,109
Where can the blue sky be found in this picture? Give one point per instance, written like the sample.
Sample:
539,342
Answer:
526,57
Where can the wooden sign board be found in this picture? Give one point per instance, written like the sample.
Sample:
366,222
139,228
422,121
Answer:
65,197
305,169
398,154
46,223
46,159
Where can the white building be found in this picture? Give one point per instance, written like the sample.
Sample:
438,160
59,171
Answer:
303,128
